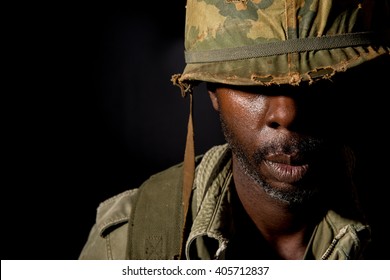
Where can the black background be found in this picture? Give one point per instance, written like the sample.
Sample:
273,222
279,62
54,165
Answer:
89,111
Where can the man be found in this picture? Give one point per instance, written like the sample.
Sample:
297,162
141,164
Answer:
283,76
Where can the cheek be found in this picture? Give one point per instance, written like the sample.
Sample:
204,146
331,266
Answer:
244,113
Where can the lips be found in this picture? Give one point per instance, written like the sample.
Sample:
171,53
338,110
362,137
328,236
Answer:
286,168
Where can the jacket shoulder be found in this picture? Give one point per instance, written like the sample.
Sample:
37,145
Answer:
338,237
109,235
115,211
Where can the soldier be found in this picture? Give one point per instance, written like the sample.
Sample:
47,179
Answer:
283,76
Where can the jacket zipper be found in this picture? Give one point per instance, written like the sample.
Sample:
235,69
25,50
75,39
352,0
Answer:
332,245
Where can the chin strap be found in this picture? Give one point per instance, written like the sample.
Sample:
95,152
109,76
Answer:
189,159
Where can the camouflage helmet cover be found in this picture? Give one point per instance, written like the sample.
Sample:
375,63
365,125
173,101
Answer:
264,42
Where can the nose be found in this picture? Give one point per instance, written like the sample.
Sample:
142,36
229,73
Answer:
282,112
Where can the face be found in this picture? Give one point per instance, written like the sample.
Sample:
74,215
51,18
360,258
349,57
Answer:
281,138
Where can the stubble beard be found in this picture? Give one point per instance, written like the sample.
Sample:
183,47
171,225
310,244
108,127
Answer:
294,196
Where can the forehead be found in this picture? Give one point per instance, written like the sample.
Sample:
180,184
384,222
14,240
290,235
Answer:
317,89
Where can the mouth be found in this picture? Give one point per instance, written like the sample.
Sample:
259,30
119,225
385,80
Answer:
286,168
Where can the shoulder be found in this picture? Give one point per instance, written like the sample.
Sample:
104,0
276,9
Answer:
109,235
117,209
338,237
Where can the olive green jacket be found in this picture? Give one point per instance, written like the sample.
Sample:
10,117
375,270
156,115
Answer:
120,234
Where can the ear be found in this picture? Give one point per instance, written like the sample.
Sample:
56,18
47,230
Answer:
214,99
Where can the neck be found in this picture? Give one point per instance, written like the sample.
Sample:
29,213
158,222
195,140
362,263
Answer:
287,230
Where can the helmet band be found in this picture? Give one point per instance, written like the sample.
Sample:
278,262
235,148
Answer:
287,46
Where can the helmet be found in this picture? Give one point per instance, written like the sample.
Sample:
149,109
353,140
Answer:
265,42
